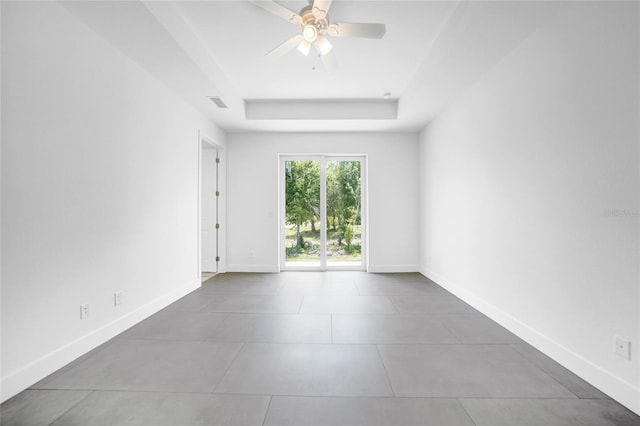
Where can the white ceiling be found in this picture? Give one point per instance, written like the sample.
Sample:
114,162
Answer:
239,34
431,52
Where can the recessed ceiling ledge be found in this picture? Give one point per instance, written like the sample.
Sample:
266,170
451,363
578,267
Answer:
322,109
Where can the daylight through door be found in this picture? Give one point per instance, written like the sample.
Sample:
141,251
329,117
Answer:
322,216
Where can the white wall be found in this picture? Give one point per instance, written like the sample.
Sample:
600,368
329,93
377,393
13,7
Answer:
529,193
99,191
252,208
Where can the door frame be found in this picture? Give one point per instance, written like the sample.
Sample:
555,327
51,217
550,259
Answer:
205,142
323,159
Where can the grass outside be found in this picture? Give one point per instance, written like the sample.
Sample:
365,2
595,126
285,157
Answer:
311,250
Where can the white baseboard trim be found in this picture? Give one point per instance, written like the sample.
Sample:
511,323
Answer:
252,268
17,381
622,391
274,268
393,268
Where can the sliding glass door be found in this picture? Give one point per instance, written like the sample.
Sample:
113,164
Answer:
302,216
344,213
322,220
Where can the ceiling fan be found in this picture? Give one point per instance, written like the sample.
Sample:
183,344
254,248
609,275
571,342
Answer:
315,26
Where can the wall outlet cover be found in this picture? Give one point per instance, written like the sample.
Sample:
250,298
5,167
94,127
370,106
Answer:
623,347
84,311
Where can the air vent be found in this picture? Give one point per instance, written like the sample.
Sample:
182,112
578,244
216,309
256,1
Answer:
218,101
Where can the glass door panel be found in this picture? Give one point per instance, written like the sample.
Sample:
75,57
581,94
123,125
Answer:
344,213
303,225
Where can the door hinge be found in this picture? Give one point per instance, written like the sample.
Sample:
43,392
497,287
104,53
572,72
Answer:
217,193
217,258
217,226
217,160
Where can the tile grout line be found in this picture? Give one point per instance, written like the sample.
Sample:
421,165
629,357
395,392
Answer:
277,294
444,325
386,373
394,305
544,371
266,413
226,371
450,330
241,394
331,319
465,410
77,362
245,341
73,406
300,306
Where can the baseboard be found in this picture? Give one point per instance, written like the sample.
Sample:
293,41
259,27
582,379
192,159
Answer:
274,268
252,268
17,381
622,391
393,268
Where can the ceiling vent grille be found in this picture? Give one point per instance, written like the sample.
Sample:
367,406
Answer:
218,101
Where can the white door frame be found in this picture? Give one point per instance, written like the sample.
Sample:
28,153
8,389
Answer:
323,159
205,142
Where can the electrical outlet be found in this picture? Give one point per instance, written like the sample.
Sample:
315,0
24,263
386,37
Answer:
623,347
84,311
117,298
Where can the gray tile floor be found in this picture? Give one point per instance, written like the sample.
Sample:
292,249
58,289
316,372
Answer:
334,348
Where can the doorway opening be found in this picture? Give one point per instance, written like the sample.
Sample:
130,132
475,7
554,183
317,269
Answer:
209,244
322,214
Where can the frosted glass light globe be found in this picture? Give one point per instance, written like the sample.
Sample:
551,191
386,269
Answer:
310,33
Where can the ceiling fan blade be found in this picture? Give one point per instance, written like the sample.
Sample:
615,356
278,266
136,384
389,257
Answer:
329,62
304,47
350,29
285,47
321,8
279,10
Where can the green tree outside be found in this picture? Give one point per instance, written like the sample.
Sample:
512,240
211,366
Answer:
302,195
343,217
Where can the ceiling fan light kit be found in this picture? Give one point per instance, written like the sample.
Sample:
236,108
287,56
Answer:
310,33
304,47
314,26
323,45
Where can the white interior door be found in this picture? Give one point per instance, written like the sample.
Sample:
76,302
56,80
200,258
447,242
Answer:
208,213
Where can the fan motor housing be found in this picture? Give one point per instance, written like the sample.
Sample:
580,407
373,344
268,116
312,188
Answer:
309,19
